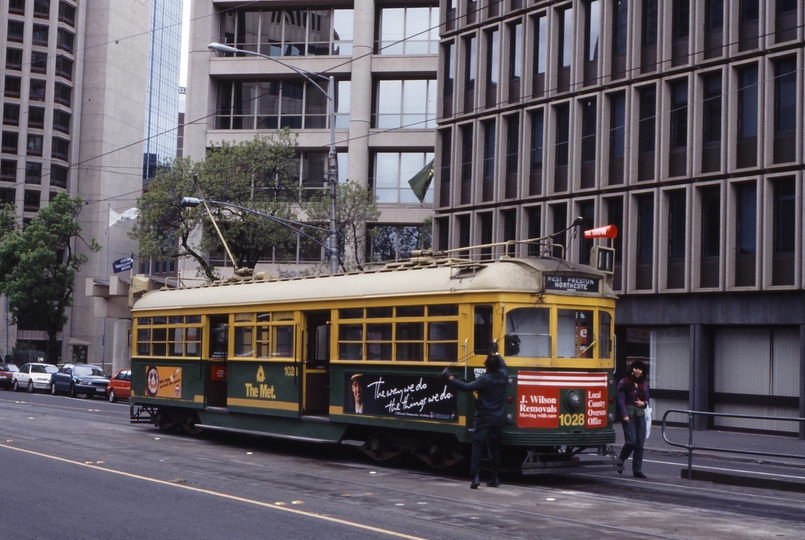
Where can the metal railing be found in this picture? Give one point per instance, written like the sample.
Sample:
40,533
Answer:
691,447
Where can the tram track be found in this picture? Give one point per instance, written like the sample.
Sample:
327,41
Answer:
326,478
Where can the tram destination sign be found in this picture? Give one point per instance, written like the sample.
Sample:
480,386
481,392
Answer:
572,283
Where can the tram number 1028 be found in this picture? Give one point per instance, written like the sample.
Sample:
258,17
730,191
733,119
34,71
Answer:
571,419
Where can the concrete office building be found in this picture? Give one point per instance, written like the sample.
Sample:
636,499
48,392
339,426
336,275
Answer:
384,63
74,115
681,122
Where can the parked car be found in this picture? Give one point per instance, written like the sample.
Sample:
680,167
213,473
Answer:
7,375
77,379
119,385
33,376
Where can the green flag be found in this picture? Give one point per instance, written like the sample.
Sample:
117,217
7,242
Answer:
420,182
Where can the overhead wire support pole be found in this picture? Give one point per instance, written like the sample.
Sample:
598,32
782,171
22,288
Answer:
332,161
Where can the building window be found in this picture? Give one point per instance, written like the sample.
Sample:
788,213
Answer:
565,56
614,214
39,36
785,109
470,60
540,54
711,237
58,176
617,137
785,21
784,231
36,117
677,232
39,62
409,30
449,78
409,104
33,173
713,28
677,162
10,142
536,153
647,135
586,210
512,155
747,116
64,40
37,90
445,170
484,223
463,225
273,104
396,242
391,174
14,59
8,170
34,146
61,121
60,149
745,233
12,86
31,201
11,114
62,94
589,121
645,242
42,8
16,31
492,67
711,122
534,218
515,60
17,7
466,164
592,31
559,223
748,24
64,67
648,54
300,32
562,118
680,30
66,13
488,170
620,19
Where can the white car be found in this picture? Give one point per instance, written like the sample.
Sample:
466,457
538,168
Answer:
33,376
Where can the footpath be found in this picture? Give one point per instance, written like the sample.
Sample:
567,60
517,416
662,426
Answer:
770,451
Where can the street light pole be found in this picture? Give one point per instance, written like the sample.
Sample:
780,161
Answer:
332,161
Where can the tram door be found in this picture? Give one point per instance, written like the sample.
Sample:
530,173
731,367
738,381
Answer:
316,365
218,369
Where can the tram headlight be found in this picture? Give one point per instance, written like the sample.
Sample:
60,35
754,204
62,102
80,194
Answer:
574,400
611,418
509,418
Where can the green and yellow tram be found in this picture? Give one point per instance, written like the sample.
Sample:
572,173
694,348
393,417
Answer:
358,357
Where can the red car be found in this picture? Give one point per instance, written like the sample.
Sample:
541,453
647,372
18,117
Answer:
119,386
6,374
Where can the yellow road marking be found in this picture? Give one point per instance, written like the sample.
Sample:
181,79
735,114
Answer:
274,506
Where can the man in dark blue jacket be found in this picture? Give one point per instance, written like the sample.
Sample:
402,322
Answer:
490,414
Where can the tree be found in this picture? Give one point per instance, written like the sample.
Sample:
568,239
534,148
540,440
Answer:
356,206
38,266
257,175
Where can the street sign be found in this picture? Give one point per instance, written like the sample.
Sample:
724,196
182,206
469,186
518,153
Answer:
121,265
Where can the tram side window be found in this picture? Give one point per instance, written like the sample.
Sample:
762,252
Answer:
244,334
482,333
605,334
176,335
574,334
350,342
443,341
528,333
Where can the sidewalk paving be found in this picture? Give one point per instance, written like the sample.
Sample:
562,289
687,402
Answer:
771,450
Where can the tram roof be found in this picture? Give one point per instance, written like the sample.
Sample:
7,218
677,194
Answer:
418,277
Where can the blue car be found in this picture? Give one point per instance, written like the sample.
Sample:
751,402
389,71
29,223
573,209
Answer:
77,379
